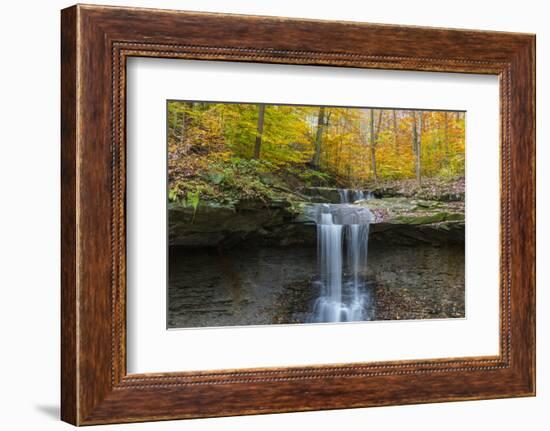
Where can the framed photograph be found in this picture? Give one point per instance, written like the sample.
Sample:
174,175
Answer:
264,215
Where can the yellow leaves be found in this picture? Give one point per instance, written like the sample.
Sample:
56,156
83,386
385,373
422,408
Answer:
354,144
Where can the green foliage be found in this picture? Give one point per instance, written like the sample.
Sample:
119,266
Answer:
173,195
227,182
310,177
192,199
239,128
285,136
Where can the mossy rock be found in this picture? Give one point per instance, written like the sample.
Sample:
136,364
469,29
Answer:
430,218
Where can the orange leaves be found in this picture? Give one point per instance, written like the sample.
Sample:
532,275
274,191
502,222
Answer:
355,145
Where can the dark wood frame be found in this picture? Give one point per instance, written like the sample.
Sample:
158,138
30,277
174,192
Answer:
96,41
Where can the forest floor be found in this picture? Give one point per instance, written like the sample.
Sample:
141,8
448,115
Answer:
236,180
430,188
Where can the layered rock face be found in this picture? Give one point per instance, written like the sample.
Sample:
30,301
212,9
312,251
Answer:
257,263
398,220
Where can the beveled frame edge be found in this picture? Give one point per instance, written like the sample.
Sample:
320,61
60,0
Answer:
96,41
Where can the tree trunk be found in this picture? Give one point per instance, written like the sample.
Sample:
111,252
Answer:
175,116
319,137
416,128
380,115
182,131
372,146
351,179
419,146
446,133
260,131
395,143
374,132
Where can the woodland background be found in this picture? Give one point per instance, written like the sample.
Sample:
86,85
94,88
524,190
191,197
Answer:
222,151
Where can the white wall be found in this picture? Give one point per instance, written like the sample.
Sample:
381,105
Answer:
29,224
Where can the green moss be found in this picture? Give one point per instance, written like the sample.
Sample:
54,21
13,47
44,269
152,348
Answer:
430,218
455,217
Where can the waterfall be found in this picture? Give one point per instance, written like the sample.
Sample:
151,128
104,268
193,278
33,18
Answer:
329,243
342,244
350,196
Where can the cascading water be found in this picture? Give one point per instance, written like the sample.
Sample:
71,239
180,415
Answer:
351,196
342,245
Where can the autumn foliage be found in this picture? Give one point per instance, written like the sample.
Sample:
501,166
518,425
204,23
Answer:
220,148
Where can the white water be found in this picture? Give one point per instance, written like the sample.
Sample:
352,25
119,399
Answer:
351,196
342,245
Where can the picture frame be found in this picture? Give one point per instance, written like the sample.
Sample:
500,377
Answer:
96,42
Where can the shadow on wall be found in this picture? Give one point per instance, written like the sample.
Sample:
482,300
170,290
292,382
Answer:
51,411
